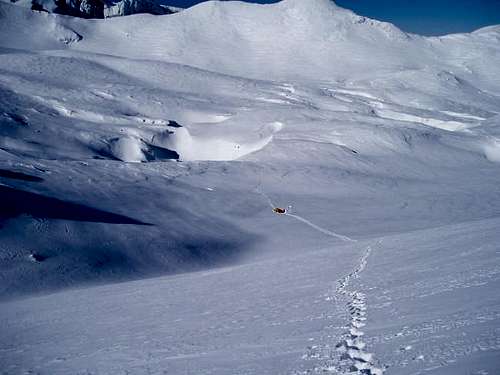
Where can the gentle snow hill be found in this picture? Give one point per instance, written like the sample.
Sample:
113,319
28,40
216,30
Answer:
143,146
310,39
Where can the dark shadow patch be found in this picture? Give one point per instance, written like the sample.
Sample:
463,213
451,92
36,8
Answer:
174,124
206,252
5,173
16,202
131,114
19,119
107,259
36,257
160,153
37,7
102,154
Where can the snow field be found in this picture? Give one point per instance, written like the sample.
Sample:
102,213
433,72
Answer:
140,162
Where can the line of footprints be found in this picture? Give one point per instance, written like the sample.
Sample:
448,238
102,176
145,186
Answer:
349,355
354,358
352,347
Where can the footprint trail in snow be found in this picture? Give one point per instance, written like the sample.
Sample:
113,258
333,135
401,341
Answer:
349,355
353,357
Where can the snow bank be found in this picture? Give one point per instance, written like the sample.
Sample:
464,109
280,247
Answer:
127,149
492,150
213,148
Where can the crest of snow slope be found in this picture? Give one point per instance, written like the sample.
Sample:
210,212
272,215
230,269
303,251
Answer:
290,38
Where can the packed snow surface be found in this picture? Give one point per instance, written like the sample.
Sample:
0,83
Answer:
141,159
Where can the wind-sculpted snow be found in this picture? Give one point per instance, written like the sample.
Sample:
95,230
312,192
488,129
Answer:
143,147
215,147
316,31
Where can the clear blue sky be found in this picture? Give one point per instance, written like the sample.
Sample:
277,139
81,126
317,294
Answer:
428,17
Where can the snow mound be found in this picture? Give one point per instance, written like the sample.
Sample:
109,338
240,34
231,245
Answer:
127,149
191,147
492,150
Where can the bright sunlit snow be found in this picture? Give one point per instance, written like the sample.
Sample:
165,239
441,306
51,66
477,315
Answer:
141,159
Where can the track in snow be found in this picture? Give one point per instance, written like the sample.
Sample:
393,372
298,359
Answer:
348,356
305,221
319,229
353,357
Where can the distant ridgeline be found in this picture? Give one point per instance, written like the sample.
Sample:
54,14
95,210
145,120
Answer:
99,8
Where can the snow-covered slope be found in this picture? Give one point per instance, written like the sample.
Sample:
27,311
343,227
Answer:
428,310
309,38
144,146
312,39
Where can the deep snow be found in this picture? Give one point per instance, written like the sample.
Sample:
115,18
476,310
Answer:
150,151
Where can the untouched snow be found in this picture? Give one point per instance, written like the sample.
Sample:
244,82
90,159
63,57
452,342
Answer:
141,157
